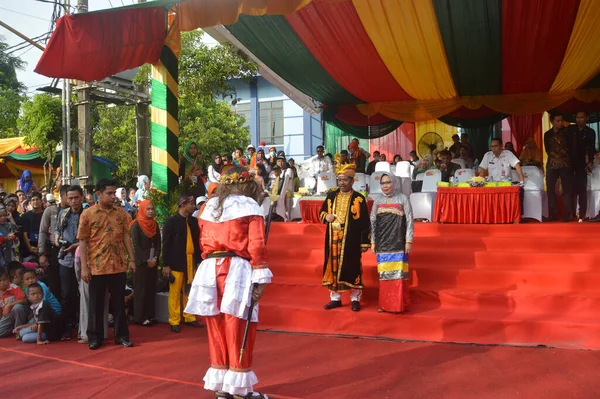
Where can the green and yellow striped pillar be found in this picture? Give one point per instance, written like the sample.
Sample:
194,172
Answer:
164,119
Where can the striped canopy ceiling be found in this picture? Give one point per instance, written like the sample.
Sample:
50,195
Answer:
372,61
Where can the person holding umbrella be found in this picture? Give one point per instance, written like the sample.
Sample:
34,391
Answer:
229,282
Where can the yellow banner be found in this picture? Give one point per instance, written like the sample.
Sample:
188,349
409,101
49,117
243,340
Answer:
581,61
410,45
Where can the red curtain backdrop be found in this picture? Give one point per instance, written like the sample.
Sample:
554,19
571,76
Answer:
533,51
105,43
401,141
526,126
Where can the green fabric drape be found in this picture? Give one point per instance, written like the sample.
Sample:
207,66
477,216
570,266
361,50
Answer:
472,35
481,138
337,139
361,132
275,43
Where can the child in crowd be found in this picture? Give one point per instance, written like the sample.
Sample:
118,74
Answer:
13,306
15,273
30,277
45,326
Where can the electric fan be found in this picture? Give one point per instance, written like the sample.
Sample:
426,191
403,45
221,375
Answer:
430,142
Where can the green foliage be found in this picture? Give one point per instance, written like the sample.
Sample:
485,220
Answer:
41,124
213,125
11,91
114,139
205,71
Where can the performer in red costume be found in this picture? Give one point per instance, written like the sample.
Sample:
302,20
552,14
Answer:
232,237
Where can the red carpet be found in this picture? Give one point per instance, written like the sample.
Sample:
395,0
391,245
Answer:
530,284
164,365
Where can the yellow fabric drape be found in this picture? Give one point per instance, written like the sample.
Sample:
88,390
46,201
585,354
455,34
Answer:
410,44
581,61
9,145
510,104
203,13
445,131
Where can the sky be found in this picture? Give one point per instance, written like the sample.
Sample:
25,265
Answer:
32,18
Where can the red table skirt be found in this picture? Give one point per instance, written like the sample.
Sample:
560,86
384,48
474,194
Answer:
477,205
309,209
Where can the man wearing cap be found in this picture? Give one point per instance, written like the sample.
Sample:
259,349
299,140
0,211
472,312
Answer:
250,154
346,215
181,255
2,194
199,202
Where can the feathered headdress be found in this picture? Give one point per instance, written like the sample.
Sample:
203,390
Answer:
348,169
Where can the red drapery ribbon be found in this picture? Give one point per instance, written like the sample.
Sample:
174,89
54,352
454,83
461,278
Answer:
523,127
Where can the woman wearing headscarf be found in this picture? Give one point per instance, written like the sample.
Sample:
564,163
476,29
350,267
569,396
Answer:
121,195
531,155
214,170
191,164
26,183
143,185
146,245
391,241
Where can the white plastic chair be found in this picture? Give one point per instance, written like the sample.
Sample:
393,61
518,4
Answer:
535,200
404,174
285,201
360,183
420,177
423,203
374,185
460,162
325,181
464,175
403,169
594,193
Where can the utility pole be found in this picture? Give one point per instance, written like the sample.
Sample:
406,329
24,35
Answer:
142,130
84,122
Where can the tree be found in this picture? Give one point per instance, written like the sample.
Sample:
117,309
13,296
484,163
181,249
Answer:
213,126
114,139
41,124
11,91
205,74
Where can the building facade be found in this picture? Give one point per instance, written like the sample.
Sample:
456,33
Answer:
276,120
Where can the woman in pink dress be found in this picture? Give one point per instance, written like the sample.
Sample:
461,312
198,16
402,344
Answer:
391,241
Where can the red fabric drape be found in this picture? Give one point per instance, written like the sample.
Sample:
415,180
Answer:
309,209
477,205
335,36
93,46
535,35
351,115
526,126
401,141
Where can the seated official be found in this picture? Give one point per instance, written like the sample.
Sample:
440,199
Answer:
497,164
447,167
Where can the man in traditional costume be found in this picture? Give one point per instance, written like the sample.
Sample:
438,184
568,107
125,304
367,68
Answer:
348,229
234,273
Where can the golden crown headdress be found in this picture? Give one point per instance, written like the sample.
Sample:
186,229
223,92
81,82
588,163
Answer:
235,178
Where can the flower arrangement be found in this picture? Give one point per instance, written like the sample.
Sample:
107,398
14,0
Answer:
477,181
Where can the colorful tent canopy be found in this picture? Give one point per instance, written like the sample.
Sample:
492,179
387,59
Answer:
372,61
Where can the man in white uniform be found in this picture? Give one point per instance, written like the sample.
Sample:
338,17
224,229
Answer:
498,163
321,163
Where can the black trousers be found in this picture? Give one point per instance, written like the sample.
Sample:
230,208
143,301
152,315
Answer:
115,283
580,191
69,301
566,178
53,271
144,293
